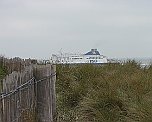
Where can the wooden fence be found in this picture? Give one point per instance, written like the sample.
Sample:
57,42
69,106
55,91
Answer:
15,64
29,95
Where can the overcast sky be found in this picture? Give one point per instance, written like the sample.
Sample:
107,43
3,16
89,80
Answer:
38,28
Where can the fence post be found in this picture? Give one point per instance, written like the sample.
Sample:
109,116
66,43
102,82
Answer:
53,81
1,104
45,93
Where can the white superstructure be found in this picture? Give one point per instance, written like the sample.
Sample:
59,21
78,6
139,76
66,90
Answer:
92,56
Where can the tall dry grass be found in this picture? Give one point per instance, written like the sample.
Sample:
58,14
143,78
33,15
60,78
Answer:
3,73
110,93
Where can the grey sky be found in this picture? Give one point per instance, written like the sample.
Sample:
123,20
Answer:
38,28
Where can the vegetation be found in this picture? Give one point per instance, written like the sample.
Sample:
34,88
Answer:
2,74
28,116
110,93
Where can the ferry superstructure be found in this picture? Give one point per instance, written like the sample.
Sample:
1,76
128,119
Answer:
92,56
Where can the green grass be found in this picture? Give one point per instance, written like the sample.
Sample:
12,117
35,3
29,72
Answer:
111,93
2,75
2,72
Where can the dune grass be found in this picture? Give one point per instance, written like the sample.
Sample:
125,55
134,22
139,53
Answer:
2,72
2,75
110,93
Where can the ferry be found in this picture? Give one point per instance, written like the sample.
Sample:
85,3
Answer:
93,56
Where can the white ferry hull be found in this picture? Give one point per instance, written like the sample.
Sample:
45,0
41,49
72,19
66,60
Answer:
90,57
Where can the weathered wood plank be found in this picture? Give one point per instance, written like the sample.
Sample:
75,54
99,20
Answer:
31,101
45,91
1,104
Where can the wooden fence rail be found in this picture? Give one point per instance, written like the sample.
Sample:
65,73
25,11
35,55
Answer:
29,95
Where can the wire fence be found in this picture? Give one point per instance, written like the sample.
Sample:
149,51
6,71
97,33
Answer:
24,86
29,95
